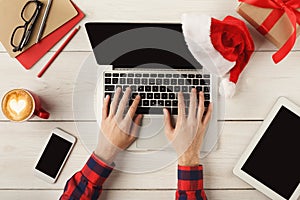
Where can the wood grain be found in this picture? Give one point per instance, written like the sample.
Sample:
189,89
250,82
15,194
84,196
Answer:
21,144
133,194
259,86
154,11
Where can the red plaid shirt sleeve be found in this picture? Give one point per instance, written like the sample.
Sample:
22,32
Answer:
190,183
87,183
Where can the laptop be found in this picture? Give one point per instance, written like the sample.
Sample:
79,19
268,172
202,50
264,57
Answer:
153,59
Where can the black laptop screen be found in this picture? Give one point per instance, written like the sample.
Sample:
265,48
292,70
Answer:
132,45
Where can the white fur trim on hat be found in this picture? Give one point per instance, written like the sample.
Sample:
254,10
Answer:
196,31
227,88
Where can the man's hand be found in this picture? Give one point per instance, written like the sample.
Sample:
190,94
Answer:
118,129
187,136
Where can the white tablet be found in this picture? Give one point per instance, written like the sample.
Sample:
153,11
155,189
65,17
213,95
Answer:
271,163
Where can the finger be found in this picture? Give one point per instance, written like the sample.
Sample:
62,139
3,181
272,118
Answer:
200,106
136,126
133,107
105,107
193,104
181,106
115,101
208,115
168,124
123,103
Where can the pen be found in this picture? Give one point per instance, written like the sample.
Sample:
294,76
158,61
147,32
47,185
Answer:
58,52
42,27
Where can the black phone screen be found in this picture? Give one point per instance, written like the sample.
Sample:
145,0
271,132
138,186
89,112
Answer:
54,155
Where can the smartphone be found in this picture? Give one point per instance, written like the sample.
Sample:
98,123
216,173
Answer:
54,155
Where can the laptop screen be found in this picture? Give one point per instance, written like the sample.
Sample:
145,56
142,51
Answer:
140,45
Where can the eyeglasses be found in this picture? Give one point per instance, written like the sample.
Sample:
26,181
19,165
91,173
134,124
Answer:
21,35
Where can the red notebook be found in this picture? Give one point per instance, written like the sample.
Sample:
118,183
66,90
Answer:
37,51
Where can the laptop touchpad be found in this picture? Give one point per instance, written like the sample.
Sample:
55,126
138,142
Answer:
152,133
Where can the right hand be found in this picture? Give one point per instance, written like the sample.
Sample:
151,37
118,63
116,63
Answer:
187,136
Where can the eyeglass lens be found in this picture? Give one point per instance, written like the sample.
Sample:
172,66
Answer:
29,10
18,36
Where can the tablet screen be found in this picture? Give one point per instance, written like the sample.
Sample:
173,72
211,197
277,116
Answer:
275,160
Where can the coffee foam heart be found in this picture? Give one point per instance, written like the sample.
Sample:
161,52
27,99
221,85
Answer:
17,105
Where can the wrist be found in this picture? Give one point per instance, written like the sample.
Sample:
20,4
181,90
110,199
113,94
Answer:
189,161
106,156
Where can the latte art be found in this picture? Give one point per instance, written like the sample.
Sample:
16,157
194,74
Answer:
17,105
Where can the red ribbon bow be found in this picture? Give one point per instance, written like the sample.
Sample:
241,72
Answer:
279,8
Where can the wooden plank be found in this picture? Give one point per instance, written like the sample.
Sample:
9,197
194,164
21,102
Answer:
56,86
133,194
258,88
153,11
21,144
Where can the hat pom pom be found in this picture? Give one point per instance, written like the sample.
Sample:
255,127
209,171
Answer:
227,88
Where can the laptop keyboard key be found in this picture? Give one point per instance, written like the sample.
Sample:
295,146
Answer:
129,81
141,88
158,81
164,95
151,81
207,97
162,88
205,82
177,89
144,81
148,88
115,80
133,88
161,103
146,103
150,110
206,89
168,103
199,88
184,89
149,95
180,81
137,81
133,95
196,82
153,102
175,103
122,81
206,103
107,80
172,96
109,88
143,95
156,95
155,88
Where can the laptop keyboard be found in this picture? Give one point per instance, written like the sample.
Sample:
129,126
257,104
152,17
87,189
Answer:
158,90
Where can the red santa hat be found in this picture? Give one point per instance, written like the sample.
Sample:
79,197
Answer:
222,47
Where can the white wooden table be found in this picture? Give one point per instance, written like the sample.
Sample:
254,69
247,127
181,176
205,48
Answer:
260,85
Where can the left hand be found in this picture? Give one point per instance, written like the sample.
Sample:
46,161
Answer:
118,130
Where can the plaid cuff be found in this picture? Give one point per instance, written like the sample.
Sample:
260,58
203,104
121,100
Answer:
190,178
96,171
